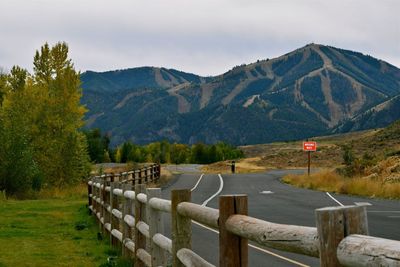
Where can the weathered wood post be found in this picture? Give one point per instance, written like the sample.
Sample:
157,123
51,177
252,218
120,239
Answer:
106,206
140,177
181,226
140,215
152,173
334,224
158,257
101,205
146,176
233,250
126,229
114,220
94,197
89,187
158,171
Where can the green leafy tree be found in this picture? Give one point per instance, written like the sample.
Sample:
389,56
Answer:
98,146
18,170
40,118
59,144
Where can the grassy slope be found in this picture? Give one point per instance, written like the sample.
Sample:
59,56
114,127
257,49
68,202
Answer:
42,233
329,153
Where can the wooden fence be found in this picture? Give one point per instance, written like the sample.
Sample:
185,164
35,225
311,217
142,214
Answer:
131,214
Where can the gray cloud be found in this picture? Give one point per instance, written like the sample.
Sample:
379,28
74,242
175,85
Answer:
206,37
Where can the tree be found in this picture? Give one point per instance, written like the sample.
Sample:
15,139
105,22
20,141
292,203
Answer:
59,144
97,145
40,118
18,170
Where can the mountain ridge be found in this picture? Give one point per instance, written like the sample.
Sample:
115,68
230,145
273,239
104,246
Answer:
312,90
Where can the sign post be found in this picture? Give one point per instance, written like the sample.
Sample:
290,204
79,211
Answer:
309,146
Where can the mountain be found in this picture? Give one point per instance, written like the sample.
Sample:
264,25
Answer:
311,91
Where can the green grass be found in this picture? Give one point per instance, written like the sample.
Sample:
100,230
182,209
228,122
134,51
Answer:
50,232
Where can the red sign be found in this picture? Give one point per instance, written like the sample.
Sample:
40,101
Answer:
310,146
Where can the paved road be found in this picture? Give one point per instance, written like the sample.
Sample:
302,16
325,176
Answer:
271,200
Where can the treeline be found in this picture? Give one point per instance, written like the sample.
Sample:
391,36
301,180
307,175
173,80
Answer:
40,118
162,152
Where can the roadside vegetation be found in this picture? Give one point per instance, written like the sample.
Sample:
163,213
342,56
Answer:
331,181
370,166
43,161
40,118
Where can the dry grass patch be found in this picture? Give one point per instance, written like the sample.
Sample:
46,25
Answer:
247,165
333,182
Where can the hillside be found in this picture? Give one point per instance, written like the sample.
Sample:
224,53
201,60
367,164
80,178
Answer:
379,144
312,91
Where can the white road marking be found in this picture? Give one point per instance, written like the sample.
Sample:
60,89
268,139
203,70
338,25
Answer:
221,185
258,248
266,192
363,204
334,199
198,181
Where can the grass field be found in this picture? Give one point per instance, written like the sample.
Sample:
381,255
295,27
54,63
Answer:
55,231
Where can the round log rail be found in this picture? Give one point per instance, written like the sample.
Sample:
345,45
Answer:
201,214
143,228
118,192
163,242
144,256
129,244
361,250
160,204
129,194
130,220
117,213
191,259
142,198
357,249
291,238
117,234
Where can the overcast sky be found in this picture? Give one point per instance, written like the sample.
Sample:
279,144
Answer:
206,37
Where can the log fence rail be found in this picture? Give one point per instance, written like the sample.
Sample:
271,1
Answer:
132,215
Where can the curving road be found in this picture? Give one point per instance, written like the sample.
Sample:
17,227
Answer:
271,200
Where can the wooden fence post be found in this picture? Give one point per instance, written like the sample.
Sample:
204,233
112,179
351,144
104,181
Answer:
233,250
181,226
140,215
140,177
158,257
334,224
113,205
89,187
146,176
158,171
126,229
101,205
94,202
107,204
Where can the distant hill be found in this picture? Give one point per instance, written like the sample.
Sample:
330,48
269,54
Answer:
311,91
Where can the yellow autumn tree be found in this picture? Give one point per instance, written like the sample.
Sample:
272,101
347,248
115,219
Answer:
44,109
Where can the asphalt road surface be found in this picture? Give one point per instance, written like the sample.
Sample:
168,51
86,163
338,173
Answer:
273,201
